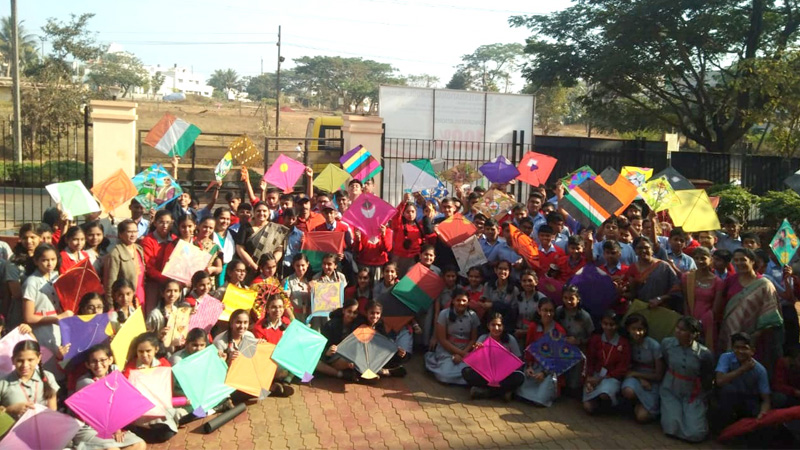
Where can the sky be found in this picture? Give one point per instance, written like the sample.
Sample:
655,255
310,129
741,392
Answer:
414,36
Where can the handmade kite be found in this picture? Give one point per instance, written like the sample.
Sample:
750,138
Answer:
455,229
418,288
223,167
109,404
784,245
284,173
331,179
325,297
535,168
76,282
6,422
201,376
73,197
676,180
267,289
493,362
636,175
236,298
468,254
186,259
155,384
253,370
659,194
7,344
172,136
316,244
419,175
244,151
660,321
434,195
695,212
114,191
524,246
368,213
178,325
368,350
595,200
460,175
495,202
597,289
156,187
41,428
360,164
299,350
554,353
206,314
499,170
83,332
121,344
771,418
396,315
268,239
577,177
552,288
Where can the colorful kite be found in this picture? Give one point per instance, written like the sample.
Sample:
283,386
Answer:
7,344
83,332
114,191
178,325
595,200
495,202
325,297
253,370
419,175
331,179
202,378
658,194
268,239
499,170
784,245
597,290
172,136
554,353
76,282
73,197
419,288
552,288
469,254
636,175
524,246
41,428
206,313
299,350
186,259
237,298
396,315
316,244
676,180
434,195
359,163
6,422
368,350
455,229
368,213
223,167
155,384
460,175
577,177
535,168
284,173
493,362
244,151
695,211
121,344
156,187
661,321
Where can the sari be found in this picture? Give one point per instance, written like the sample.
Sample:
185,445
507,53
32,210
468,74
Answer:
657,280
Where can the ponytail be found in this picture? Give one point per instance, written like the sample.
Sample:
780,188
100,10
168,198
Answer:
47,390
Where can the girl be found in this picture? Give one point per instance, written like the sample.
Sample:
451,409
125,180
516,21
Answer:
158,317
329,274
373,252
274,323
236,273
153,245
125,261
196,340
703,293
579,327
502,294
71,246
96,245
425,317
201,285
690,371
205,240
99,363
388,279
528,303
267,284
372,319
186,229
450,276
297,286
408,236
29,383
474,290
641,383
125,303
342,322
540,386
608,359
653,280
427,256
456,333
479,386
362,291
30,236
228,342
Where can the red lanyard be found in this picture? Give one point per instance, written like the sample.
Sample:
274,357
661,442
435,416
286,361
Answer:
606,356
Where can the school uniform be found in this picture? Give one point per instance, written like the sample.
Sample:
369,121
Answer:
509,383
741,398
45,303
608,359
580,326
684,388
87,436
643,359
544,392
458,332
13,390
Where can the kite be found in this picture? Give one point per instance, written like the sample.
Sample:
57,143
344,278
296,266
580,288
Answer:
418,288
419,175
155,384
331,178
6,422
73,197
460,175
469,254
784,245
325,297
455,229
577,177
695,212
41,428
552,288
83,332
156,187
237,298
178,324
658,194
771,418
360,164
172,136
269,238
284,173
661,321
185,260
121,344
524,246
317,244
201,376
597,289
244,151
76,282
535,168
109,404
206,313
299,350
435,194
595,200
396,315
7,344
368,350
368,213
636,175
554,353
114,191
678,181
495,202
253,370
499,170
223,167
493,362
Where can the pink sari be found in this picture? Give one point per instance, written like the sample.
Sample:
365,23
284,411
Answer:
700,305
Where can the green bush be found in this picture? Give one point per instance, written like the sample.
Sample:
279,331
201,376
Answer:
777,205
733,200
35,174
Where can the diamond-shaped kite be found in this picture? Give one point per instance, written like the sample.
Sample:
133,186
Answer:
331,178
535,168
367,213
460,175
359,163
636,175
156,187
577,177
114,191
73,197
244,151
418,175
784,245
284,173
695,212
499,170
658,194
172,136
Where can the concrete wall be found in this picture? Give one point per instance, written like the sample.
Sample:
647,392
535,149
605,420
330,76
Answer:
114,142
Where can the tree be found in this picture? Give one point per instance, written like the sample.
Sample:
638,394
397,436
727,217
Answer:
27,46
693,65
489,67
354,81
261,87
121,70
225,81
460,80
551,106
423,80
156,81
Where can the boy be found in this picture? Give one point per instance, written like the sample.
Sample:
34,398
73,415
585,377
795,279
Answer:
721,259
549,254
730,240
707,239
137,215
526,226
331,224
520,212
234,200
682,261
610,231
354,189
294,241
614,268
576,257
751,240
273,203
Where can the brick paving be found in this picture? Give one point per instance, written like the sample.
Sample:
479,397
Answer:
417,412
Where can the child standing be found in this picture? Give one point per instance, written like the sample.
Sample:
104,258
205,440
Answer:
298,287
71,245
579,327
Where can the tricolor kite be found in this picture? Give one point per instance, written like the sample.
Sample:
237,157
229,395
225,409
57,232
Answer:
172,136
419,288
595,200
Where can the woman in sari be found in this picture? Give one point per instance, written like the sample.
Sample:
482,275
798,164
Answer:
751,305
652,280
248,240
703,291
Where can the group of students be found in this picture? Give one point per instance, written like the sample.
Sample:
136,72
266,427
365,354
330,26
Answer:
738,332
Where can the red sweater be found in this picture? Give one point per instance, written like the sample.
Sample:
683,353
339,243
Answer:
154,257
261,331
411,231
67,262
557,257
373,254
131,365
615,358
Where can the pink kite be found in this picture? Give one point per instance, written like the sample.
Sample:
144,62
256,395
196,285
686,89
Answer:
207,314
7,347
493,362
367,213
41,428
284,173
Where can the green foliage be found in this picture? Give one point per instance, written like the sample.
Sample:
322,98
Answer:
225,81
552,106
339,82
156,81
650,135
733,200
117,70
261,87
28,55
459,81
777,205
489,67
37,174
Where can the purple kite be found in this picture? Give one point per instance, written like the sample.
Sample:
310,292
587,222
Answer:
82,332
598,292
284,173
499,170
109,404
41,428
554,353
493,362
367,213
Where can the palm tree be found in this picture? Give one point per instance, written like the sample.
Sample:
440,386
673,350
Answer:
27,45
225,80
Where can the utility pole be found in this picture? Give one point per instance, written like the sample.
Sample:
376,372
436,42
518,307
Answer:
278,89
17,131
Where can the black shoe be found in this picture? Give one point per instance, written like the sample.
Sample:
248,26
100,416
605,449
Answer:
350,375
398,371
288,391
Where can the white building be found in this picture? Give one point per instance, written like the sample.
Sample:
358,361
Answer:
178,79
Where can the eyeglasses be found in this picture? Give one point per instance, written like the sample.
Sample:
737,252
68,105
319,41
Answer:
96,362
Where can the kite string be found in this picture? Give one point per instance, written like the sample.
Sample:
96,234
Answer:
94,333
112,389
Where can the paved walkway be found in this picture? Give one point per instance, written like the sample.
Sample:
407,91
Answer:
416,412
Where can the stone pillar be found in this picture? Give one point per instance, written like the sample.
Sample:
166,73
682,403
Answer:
113,142
366,131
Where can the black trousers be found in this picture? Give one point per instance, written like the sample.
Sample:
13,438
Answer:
510,383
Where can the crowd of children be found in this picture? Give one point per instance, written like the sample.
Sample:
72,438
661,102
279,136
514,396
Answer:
734,350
